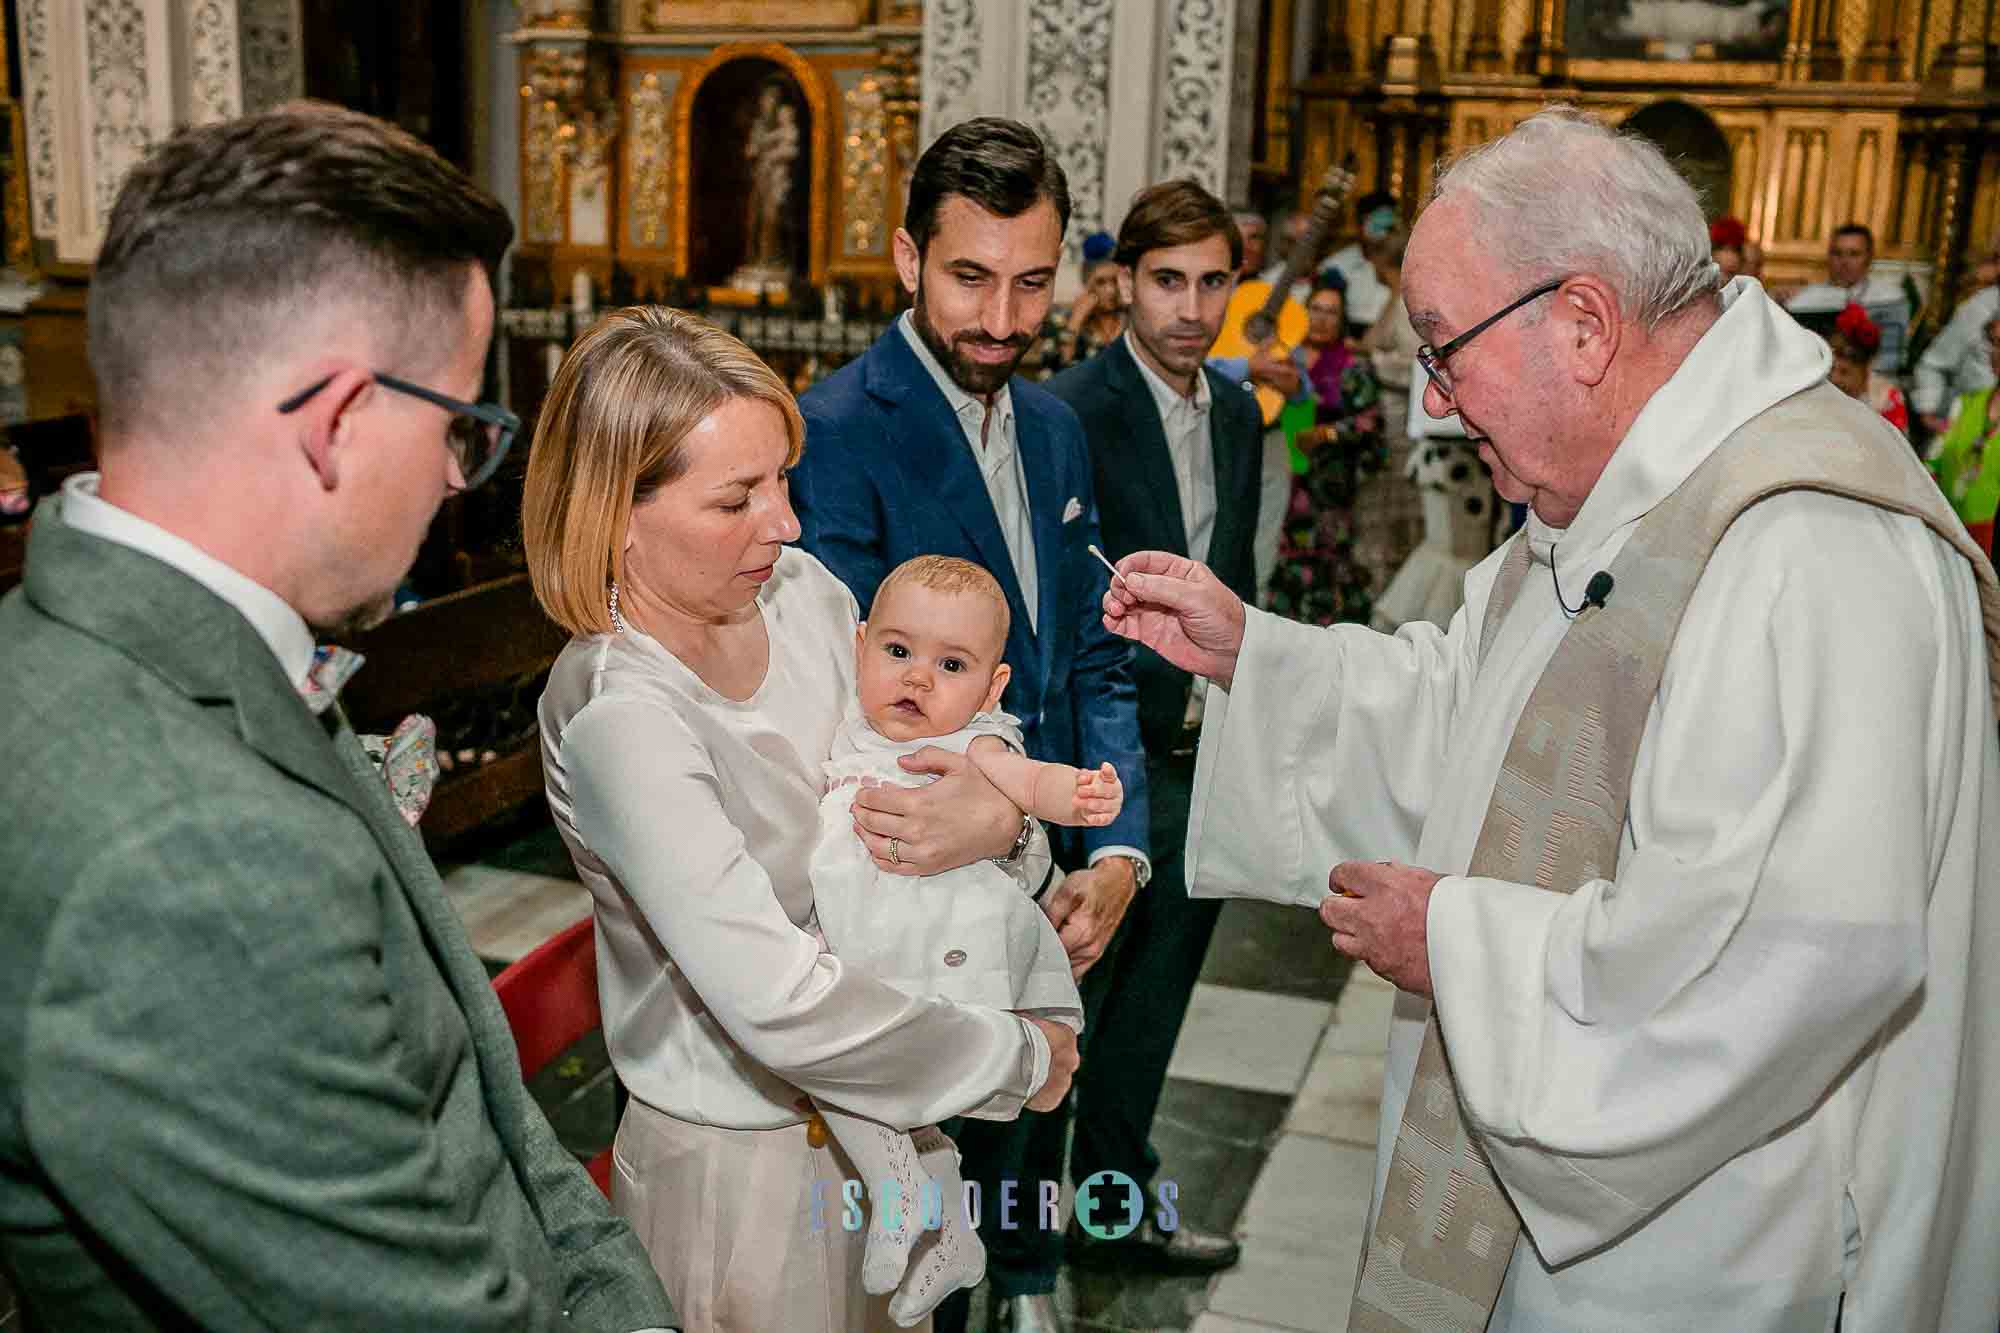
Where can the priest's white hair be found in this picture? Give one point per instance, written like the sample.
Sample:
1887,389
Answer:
1563,193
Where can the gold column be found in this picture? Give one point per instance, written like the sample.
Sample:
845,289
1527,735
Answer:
1336,49
1541,52
1409,57
1960,64
1881,61
1957,171
1823,62
1482,48
19,228
1278,86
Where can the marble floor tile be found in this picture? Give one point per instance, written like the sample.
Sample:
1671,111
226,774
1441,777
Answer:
1361,1019
1297,1285
1212,1322
509,912
1248,1039
1212,1143
1312,1192
1267,947
1341,1098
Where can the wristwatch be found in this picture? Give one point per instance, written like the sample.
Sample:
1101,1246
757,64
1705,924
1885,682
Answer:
1020,847
1142,873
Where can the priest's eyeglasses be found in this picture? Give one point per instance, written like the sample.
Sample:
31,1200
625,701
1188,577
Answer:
1433,359
480,433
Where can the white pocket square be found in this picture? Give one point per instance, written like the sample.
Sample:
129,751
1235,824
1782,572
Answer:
1073,510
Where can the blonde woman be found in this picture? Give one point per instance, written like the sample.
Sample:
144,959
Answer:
683,733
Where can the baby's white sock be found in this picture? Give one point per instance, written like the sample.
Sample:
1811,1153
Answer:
950,1257
894,1182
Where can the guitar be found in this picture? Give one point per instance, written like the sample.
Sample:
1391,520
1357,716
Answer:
1262,316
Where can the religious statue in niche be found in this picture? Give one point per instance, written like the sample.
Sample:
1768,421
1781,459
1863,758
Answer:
771,146
750,178
1677,29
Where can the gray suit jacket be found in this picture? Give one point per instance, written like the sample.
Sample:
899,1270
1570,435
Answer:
251,1074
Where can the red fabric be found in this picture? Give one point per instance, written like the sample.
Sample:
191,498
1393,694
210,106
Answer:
550,997
1727,234
1853,324
1895,409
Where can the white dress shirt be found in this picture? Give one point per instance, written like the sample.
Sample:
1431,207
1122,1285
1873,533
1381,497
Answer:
691,818
989,432
1184,420
276,623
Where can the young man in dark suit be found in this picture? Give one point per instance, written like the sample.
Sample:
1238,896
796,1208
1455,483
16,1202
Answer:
1175,453
928,444
251,1074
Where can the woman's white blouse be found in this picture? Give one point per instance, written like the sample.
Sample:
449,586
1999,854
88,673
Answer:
691,818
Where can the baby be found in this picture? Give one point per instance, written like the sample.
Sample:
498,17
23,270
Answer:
929,673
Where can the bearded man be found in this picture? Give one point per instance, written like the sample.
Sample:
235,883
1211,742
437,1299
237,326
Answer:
928,444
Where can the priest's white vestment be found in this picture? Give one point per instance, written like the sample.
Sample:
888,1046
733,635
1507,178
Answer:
1761,1065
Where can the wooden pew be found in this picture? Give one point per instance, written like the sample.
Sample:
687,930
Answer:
49,452
474,662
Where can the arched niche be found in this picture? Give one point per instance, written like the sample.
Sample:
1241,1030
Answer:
1694,143
713,112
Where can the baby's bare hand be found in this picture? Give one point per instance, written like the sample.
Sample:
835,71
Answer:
1099,796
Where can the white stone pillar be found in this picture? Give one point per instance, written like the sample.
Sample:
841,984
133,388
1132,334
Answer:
104,80
1127,92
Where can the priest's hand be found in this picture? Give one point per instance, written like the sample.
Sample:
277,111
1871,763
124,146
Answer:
1086,908
959,819
1377,911
1179,609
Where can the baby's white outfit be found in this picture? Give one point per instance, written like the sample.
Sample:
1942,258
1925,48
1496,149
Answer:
968,934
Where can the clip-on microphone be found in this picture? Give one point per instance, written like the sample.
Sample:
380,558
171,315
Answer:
1595,593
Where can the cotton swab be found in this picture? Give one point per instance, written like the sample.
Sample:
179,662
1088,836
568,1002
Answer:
1101,559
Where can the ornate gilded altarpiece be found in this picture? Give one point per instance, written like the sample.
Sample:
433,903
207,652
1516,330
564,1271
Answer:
637,153
1797,116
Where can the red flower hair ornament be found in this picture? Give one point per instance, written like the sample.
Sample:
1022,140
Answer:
1860,332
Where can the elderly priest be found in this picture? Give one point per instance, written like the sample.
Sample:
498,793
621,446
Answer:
1689,899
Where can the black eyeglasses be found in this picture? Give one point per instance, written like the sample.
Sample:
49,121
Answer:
479,436
1432,359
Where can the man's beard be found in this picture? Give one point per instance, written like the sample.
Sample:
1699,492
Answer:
975,377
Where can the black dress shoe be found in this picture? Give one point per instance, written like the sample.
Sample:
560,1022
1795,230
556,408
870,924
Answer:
1186,1249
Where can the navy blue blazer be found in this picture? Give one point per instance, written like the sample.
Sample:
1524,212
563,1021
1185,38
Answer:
887,476
1140,505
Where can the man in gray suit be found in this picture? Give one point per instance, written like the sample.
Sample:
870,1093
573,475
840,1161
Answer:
251,1074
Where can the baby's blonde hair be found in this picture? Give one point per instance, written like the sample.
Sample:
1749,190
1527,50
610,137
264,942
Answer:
949,574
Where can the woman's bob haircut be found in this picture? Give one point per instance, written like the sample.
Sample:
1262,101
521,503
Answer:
612,432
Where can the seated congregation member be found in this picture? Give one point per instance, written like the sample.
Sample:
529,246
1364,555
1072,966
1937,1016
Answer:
251,1074
1679,844
1963,461
1854,342
1726,238
684,730
1957,360
1093,321
1851,280
928,673
1321,577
